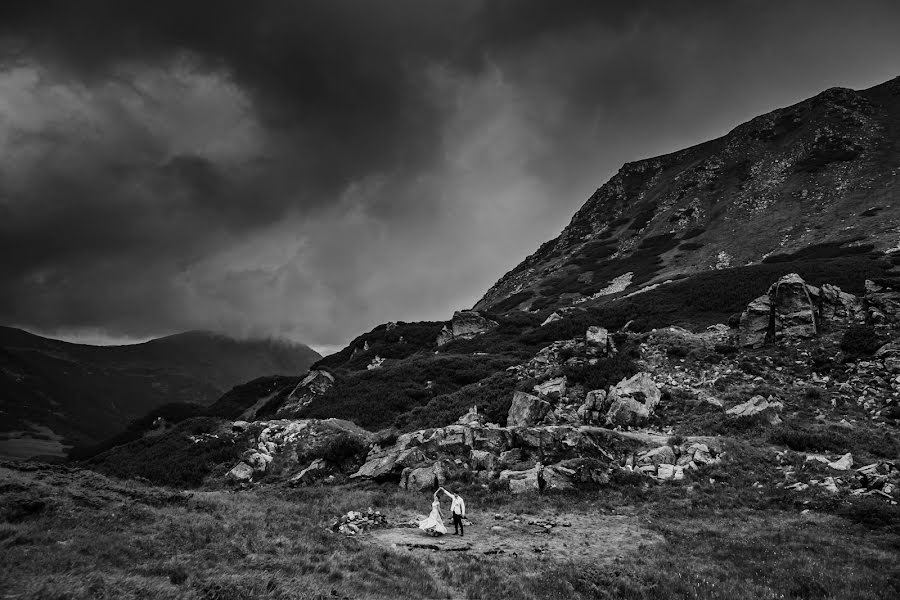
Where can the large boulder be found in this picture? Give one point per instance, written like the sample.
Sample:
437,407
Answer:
523,481
883,303
598,340
316,383
424,478
316,470
552,388
767,408
465,325
756,326
558,477
388,463
240,473
632,400
526,410
837,308
793,308
657,456
590,411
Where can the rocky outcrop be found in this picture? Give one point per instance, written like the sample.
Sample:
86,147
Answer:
288,448
520,482
793,310
518,455
882,304
317,469
316,383
757,326
632,400
424,478
838,307
526,410
240,473
598,338
465,325
554,388
555,316
590,412
757,406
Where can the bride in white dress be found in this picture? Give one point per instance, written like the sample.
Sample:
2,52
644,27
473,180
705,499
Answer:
434,523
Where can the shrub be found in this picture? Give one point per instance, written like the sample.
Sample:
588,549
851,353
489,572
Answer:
873,513
172,459
802,440
860,340
343,448
607,372
675,440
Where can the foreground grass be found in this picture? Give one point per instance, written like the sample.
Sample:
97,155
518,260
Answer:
80,535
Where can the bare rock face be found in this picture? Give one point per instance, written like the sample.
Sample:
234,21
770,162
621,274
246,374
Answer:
558,477
424,478
793,308
555,316
316,383
240,473
317,469
658,456
445,336
465,325
523,481
598,338
756,323
591,411
883,304
526,410
768,408
552,388
837,307
632,400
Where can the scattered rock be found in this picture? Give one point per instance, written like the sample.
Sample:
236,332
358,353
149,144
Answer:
465,325
240,473
552,318
632,400
523,481
526,410
318,469
844,463
757,405
552,388
656,456
756,325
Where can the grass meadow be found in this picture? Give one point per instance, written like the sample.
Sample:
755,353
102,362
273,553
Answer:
74,534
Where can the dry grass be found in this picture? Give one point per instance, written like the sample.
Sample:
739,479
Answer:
75,534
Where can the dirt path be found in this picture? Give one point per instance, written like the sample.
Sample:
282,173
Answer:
569,536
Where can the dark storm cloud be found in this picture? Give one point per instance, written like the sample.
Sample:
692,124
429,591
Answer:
313,168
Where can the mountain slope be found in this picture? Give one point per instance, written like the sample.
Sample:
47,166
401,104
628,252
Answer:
54,393
823,171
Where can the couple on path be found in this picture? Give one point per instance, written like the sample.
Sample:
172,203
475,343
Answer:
434,523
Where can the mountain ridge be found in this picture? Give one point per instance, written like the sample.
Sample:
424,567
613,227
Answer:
780,176
65,393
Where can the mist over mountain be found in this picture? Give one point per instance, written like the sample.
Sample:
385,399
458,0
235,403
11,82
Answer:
55,394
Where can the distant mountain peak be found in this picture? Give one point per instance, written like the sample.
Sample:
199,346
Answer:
807,174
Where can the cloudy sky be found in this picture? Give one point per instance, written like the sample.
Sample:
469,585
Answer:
312,168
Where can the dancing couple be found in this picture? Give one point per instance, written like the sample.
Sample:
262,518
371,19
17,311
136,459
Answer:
433,524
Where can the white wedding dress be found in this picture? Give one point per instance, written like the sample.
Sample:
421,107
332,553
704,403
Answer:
433,522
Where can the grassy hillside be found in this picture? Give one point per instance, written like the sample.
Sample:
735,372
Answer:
84,394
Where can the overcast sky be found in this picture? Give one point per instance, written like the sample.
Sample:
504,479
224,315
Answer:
310,169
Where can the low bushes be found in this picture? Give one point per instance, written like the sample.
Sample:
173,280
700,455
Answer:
802,440
861,340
